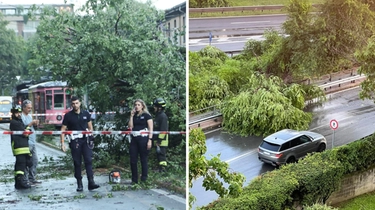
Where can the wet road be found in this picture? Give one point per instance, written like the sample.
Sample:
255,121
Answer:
61,193
224,44
355,117
233,26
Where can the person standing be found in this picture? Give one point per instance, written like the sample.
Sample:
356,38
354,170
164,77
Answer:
20,149
140,120
29,122
80,145
161,140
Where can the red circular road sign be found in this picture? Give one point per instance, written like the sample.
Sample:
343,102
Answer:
334,124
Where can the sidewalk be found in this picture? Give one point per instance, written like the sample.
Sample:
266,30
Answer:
60,193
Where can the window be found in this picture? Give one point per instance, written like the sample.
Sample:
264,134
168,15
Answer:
49,102
58,102
169,29
285,146
304,139
175,23
295,142
67,102
270,146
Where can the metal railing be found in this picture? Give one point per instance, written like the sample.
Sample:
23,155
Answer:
243,8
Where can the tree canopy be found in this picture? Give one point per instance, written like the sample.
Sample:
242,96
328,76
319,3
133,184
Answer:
11,55
116,52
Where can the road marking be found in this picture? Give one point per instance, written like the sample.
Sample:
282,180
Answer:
243,155
251,22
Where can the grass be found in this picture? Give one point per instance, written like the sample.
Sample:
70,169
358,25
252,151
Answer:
362,202
237,3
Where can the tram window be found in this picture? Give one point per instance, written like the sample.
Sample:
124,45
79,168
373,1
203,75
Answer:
48,91
49,102
67,102
59,101
58,91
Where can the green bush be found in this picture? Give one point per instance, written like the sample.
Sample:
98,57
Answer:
307,183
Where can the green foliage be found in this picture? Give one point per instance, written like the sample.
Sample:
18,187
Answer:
206,88
11,56
366,58
114,51
321,42
307,183
213,171
319,207
263,108
209,3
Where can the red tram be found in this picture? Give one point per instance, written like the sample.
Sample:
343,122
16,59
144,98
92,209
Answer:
50,100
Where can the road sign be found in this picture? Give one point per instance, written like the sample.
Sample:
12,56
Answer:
334,124
210,37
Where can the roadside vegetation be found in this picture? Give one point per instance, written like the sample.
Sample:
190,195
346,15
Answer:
265,89
308,183
235,3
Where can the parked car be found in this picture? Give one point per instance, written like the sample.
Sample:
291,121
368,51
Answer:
287,146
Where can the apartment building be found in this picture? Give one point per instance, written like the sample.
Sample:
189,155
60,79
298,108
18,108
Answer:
19,21
175,24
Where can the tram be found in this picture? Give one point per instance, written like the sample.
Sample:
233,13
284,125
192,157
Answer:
50,100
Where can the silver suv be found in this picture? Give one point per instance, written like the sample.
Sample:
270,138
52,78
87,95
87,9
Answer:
287,146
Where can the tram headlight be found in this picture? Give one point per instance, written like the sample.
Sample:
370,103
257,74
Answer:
59,117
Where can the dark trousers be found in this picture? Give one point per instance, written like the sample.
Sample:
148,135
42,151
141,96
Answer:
79,148
20,166
138,147
162,159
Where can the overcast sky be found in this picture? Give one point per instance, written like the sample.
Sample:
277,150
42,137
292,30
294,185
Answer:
159,4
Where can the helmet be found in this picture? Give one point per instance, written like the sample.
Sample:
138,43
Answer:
16,109
159,102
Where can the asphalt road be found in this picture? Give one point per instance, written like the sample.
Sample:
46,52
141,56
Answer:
355,118
225,44
61,193
233,26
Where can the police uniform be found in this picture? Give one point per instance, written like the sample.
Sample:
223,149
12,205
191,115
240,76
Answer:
20,149
138,147
161,124
79,145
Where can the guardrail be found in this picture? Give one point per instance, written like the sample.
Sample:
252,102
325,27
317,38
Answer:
243,8
216,112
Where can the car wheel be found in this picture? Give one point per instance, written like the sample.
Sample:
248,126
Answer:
291,160
321,148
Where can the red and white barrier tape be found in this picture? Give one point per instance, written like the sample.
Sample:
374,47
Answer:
54,114
92,132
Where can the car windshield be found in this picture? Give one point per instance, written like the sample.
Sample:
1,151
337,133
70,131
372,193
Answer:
270,146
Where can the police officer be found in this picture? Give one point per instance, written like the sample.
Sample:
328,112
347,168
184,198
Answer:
140,120
80,145
160,140
20,149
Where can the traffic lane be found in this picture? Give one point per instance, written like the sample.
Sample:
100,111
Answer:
261,21
225,47
224,44
229,146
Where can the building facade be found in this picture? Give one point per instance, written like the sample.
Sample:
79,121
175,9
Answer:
19,21
174,26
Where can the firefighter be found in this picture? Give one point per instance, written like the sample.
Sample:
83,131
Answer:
160,140
20,149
